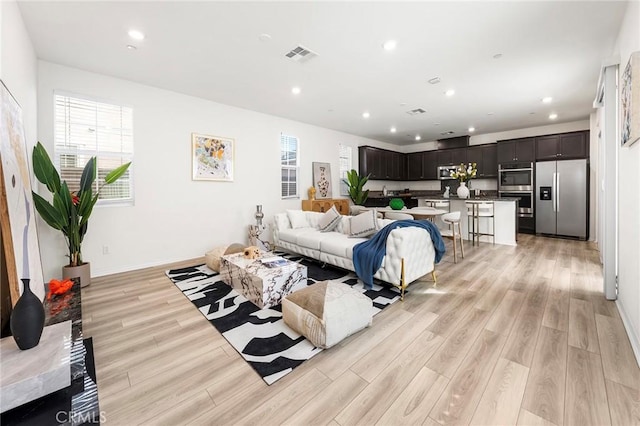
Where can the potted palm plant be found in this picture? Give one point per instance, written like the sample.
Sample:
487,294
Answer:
69,211
356,184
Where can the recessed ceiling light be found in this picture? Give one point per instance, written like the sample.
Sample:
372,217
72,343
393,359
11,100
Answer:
136,35
403,104
392,130
418,137
390,45
436,124
131,47
450,92
547,100
497,56
490,113
472,129
366,114
264,37
295,90
434,80
553,116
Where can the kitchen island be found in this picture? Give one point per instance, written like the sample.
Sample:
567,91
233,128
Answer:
504,211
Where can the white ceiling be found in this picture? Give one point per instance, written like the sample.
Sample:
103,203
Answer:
212,50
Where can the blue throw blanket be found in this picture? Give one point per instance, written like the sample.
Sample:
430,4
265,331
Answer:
367,256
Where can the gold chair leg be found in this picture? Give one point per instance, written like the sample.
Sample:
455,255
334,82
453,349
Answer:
433,275
453,234
461,243
403,284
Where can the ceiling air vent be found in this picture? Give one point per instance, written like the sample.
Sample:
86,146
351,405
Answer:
416,111
300,54
450,132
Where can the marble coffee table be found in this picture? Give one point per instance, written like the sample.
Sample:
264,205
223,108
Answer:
263,285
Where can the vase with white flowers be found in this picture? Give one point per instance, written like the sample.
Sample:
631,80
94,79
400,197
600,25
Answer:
69,210
464,173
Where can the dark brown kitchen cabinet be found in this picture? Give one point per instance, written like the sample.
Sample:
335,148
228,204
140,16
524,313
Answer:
414,166
474,155
516,150
422,165
485,158
381,164
490,160
454,156
430,165
563,146
444,157
369,161
458,155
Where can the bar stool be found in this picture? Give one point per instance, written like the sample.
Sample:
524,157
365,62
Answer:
440,205
452,219
476,210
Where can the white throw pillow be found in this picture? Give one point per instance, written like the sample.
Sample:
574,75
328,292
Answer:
364,225
329,220
298,219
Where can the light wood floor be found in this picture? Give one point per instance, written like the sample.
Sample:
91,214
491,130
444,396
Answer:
511,335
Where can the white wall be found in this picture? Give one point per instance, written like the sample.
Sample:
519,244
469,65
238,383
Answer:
594,176
175,218
18,71
18,66
629,198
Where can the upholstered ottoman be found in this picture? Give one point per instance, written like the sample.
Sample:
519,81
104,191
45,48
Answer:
327,312
213,256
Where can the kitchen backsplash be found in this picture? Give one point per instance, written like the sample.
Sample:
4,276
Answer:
427,185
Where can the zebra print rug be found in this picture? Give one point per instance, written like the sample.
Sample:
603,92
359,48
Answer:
260,335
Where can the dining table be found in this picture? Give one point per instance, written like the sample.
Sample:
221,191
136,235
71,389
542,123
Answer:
417,212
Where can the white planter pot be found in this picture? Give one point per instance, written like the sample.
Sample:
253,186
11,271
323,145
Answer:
82,271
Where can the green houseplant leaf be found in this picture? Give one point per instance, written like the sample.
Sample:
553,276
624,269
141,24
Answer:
69,212
44,169
116,173
356,183
88,175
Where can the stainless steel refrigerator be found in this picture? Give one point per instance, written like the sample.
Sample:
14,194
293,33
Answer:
562,189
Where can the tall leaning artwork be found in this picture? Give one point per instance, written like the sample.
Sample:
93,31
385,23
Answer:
18,221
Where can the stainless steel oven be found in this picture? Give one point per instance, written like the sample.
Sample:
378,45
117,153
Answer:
526,204
515,177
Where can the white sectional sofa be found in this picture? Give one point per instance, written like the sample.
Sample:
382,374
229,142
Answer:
410,245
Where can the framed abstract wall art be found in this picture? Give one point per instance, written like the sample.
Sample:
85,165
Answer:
630,101
18,219
322,179
212,158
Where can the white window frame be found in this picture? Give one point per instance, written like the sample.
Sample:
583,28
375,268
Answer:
295,167
345,152
125,156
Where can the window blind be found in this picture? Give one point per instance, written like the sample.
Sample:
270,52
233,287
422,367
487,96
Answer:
345,166
85,128
289,165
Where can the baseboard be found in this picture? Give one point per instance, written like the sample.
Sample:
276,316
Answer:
633,338
103,272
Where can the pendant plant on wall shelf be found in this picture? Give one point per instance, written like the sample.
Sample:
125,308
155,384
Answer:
356,183
69,212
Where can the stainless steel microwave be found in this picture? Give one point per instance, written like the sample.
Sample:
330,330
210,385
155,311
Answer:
515,177
444,172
